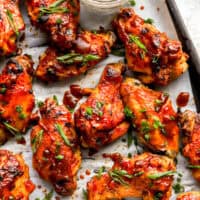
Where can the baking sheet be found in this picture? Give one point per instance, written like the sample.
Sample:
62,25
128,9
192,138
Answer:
35,43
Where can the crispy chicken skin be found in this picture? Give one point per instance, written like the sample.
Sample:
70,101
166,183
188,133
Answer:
189,196
150,54
59,18
146,175
16,96
100,120
11,24
87,43
56,154
190,123
15,181
153,117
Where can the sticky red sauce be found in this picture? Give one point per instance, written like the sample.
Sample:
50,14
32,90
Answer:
141,7
21,141
81,176
72,96
182,99
87,172
29,186
76,91
69,100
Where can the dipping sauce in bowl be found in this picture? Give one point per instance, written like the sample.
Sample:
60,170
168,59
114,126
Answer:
100,12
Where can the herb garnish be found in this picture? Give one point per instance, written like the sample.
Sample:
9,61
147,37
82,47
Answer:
53,8
62,134
11,21
149,21
77,58
145,128
100,171
89,111
161,175
128,113
137,41
118,175
37,140
12,129
85,194
59,157
194,166
132,2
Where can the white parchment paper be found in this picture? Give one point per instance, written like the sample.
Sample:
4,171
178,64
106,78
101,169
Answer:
35,43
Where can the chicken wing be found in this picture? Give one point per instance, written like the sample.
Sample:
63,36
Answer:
16,96
89,49
190,123
189,196
150,54
146,175
152,116
100,120
59,18
56,153
14,174
11,24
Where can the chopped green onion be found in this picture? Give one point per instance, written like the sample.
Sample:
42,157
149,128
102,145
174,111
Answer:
194,166
12,129
149,21
136,40
161,175
128,113
77,58
100,171
85,194
89,111
62,134
37,140
11,21
145,128
59,157
138,174
53,8
132,2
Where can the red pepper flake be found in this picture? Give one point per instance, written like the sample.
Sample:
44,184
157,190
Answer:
182,99
87,172
141,7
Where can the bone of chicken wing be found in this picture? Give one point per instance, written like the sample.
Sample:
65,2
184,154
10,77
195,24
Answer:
150,54
190,123
11,24
15,181
56,153
146,175
189,196
59,18
89,49
152,116
16,96
100,120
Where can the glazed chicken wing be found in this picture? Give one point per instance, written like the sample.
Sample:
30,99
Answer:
89,49
16,96
11,24
189,196
59,18
150,54
146,175
152,116
56,154
100,120
190,123
14,173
